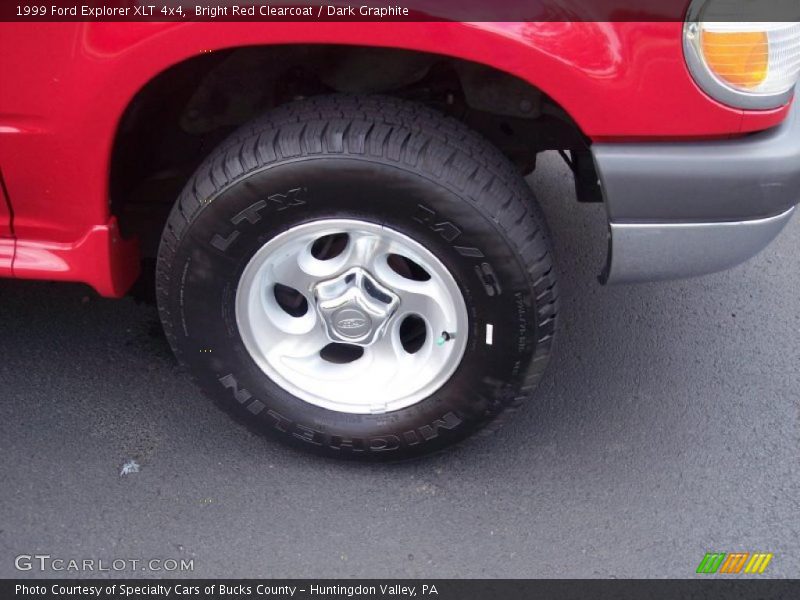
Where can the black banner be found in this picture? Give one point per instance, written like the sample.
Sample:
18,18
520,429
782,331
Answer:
394,10
377,589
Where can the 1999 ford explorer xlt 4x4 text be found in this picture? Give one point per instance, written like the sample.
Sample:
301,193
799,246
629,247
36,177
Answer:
347,255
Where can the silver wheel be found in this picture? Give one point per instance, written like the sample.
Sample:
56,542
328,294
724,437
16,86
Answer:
351,316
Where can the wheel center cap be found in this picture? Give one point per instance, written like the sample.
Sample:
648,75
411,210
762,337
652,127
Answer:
355,307
351,323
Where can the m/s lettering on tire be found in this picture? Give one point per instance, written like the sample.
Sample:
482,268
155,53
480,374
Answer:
449,232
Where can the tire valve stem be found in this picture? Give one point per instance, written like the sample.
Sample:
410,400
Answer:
445,337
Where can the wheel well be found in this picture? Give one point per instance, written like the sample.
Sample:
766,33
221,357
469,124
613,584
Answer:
183,113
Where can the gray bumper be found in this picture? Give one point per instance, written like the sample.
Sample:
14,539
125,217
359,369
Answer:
653,251
684,209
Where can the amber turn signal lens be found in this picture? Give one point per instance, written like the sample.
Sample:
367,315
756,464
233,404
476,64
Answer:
752,65
739,58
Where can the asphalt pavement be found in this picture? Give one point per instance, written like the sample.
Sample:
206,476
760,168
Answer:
666,427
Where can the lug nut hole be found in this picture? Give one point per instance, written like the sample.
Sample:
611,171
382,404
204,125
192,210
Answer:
341,354
290,300
413,333
405,267
330,246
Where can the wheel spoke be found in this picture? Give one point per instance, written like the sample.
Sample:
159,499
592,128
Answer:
364,250
423,298
387,363
292,272
299,345
387,350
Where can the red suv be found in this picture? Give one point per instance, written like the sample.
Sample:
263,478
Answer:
346,253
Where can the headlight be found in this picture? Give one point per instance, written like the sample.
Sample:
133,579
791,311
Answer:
744,64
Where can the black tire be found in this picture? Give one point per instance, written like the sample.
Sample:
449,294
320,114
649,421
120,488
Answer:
376,159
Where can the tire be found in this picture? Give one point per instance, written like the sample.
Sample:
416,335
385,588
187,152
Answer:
379,162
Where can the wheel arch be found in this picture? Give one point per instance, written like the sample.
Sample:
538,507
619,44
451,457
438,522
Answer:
180,67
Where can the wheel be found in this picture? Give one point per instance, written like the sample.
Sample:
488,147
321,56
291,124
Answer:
359,276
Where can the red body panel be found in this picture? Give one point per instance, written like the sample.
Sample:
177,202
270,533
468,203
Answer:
66,85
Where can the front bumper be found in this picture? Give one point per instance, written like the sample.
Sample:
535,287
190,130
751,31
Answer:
683,209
